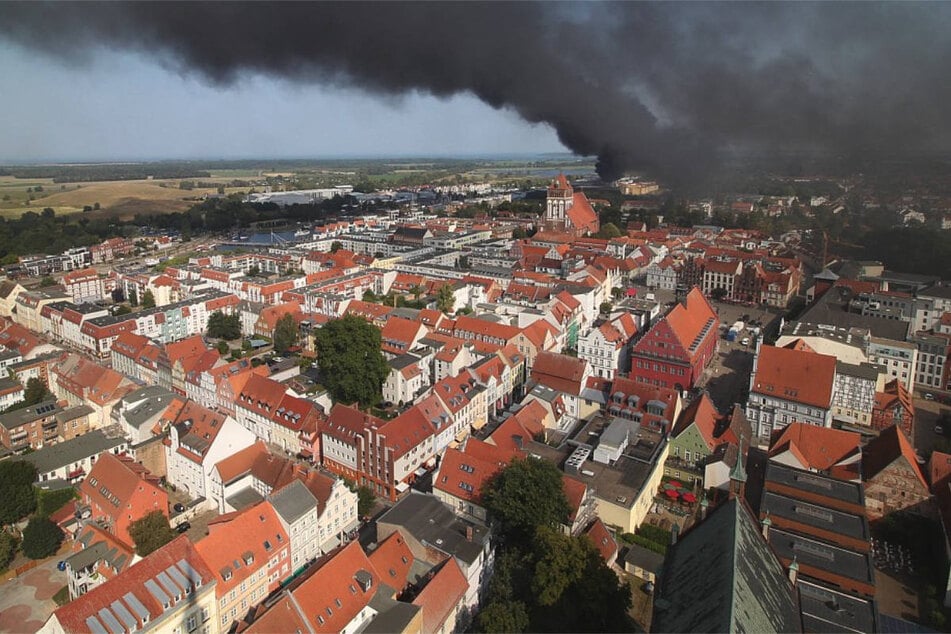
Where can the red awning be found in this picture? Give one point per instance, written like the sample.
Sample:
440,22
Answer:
689,498
675,484
632,292
672,494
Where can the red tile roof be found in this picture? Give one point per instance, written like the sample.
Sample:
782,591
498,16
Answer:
688,319
795,375
886,448
256,531
602,539
442,595
560,372
939,468
120,595
392,560
464,471
819,448
241,462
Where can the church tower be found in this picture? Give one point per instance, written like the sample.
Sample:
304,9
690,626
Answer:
560,196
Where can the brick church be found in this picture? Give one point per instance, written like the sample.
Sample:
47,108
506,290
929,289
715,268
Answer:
567,211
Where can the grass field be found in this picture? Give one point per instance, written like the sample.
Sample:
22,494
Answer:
115,198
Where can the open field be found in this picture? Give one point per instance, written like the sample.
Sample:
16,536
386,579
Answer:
117,198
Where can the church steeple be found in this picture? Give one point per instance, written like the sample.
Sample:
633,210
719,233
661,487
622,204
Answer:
560,195
738,474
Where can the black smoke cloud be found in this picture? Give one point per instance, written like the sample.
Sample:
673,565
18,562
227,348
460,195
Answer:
671,88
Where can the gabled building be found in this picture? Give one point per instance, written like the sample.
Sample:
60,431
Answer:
97,557
568,376
567,211
721,576
893,480
699,431
607,347
172,589
894,406
790,385
677,348
117,492
249,554
832,452
463,471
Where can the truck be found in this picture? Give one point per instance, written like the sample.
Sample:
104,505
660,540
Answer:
731,335
735,330
738,326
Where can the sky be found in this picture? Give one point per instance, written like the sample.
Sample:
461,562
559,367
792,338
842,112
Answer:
673,88
122,106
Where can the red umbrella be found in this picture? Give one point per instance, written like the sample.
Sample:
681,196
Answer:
675,484
672,494
689,498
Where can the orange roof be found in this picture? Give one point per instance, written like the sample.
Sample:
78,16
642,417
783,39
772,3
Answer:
256,531
393,560
537,331
688,319
240,462
75,615
883,450
559,372
333,595
116,478
602,539
190,347
939,468
799,344
514,433
408,430
574,492
463,472
482,327
703,415
819,448
441,595
795,375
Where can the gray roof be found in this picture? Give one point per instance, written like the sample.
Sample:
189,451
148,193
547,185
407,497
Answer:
722,577
154,400
16,418
865,371
67,452
431,522
831,310
943,292
293,501
818,516
822,555
391,615
827,610
815,484
73,413
644,559
244,498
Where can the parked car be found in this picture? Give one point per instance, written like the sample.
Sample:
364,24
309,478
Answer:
179,507
929,396
61,566
938,429
184,526
746,341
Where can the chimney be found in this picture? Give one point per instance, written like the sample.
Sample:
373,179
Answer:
518,441
468,533
793,571
674,533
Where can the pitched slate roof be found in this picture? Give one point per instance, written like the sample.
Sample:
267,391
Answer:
721,576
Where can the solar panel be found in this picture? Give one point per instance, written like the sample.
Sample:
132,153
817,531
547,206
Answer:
190,572
133,602
95,627
168,584
124,614
106,617
157,592
178,577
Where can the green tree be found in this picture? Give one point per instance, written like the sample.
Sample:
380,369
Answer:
519,233
718,293
416,290
606,307
223,348
8,546
609,231
445,298
41,538
352,367
133,298
254,271
150,532
47,281
560,560
122,309
503,616
527,494
148,299
221,326
35,392
335,246
365,500
17,496
370,297
286,333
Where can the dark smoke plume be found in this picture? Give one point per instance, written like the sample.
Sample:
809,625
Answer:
672,88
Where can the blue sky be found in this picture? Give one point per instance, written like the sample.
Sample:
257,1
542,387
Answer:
119,106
